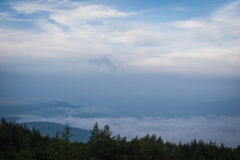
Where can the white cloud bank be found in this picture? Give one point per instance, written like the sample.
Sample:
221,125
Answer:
220,129
66,34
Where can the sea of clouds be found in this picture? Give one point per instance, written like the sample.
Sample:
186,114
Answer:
221,129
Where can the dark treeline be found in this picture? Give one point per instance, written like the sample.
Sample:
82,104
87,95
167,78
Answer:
18,142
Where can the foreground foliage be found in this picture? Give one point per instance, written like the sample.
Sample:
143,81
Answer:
18,142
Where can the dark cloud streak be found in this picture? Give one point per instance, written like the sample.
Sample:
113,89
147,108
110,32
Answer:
103,61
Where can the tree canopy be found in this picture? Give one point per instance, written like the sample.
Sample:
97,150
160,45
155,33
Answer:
20,143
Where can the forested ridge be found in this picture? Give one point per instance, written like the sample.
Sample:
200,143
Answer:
20,143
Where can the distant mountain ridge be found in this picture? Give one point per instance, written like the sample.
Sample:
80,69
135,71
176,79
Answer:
80,135
56,103
50,109
41,108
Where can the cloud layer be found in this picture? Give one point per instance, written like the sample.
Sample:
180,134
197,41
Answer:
220,129
176,128
67,37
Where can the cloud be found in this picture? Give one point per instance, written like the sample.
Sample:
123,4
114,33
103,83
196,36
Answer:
223,22
228,14
67,33
84,14
103,61
189,24
180,8
220,129
4,16
69,13
30,7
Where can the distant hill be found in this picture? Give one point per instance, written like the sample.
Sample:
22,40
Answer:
81,135
50,109
46,109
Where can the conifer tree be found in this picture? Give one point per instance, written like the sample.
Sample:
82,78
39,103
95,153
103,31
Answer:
107,143
94,140
57,136
65,136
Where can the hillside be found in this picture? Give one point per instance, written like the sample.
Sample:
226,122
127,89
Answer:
81,135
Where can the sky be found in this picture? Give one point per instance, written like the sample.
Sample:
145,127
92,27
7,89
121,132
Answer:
140,62
53,37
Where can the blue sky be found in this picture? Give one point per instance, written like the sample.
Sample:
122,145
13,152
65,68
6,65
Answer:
164,59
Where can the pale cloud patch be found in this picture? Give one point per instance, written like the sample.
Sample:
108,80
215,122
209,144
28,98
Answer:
137,37
204,61
30,7
223,22
189,24
48,26
71,14
180,8
4,16
228,14
83,14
